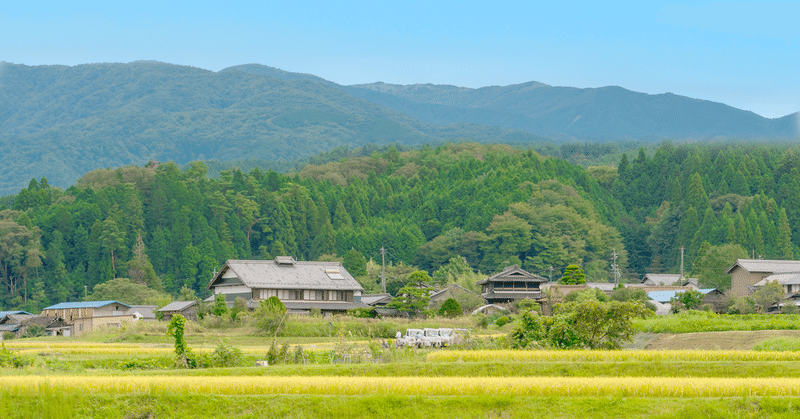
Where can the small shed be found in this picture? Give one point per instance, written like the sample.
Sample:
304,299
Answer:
186,309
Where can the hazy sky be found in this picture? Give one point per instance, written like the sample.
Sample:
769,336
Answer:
744,54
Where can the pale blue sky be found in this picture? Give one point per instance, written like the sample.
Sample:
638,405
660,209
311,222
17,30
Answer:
744,54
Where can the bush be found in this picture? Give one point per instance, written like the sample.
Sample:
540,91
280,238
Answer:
502,321
34,331
269,315
11,359
450,308
790,308
9,335
363,312
227,356
528,305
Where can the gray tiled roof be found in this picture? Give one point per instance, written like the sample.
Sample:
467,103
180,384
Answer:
783,279
763,265
300,275
370,299
512,295
665,279
513,273
307,305
177,306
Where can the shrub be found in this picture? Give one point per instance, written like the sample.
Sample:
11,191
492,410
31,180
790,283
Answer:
790,308
363,312
270,314
34,331
502,321
227,356
11,359
450,308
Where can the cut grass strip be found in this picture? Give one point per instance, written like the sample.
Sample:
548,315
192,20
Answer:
410,386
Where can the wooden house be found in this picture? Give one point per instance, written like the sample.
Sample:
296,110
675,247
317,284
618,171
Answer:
301,286
511,284
747,272
87,315
187,309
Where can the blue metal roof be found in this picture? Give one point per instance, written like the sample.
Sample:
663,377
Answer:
8,313
84,304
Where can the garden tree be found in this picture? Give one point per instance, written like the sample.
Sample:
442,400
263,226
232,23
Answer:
509,240
589,324
220,307
270,315
450,308
140,269
710,267
629,294
127,291
769,295
689,299
239,306
573,275
187,294
413,298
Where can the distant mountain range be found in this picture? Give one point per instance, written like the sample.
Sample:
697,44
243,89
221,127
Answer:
60,121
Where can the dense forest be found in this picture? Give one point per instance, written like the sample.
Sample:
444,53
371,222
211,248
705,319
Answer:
169,227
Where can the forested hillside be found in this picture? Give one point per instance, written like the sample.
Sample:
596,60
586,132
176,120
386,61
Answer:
60,121
493,205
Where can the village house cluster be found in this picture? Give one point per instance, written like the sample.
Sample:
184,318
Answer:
304,286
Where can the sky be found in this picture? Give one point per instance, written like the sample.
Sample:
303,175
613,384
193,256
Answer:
744,54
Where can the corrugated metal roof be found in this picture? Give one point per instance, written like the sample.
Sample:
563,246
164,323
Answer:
177,305
300,276
763,265
84,304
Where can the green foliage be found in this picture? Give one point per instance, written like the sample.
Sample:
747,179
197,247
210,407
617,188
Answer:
768,296
411,299
587,294
34,331
689,299
629,294
13,360
502,321
450,308
220,307
226,356
126,291
573,275
270,315
184,357
588,324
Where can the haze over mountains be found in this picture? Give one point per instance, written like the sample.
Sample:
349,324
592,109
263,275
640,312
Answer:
60,122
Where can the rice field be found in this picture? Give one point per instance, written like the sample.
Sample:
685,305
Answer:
418,386
476,383
611,356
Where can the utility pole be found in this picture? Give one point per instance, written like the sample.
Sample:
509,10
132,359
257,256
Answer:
682,249
383,269
551,274
616,271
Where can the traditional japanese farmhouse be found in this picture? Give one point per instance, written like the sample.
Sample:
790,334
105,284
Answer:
87,315
511,284
301,286
747,272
